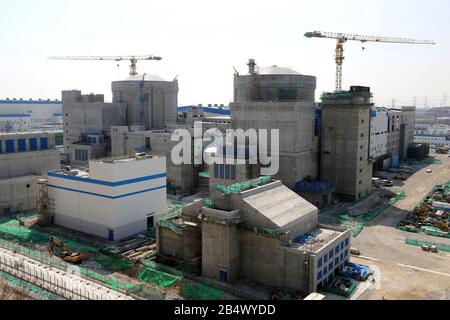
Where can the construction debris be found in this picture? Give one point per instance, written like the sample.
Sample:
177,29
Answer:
432,215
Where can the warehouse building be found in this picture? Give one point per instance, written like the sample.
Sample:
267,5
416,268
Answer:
19,115
23,158
114,199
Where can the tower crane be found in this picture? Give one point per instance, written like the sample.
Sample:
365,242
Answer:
342,38
133,59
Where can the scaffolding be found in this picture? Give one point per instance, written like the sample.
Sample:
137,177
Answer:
45,205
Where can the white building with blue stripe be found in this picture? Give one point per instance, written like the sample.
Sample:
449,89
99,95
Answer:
115,199
18,115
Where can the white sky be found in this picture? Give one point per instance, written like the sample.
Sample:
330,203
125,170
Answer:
201,41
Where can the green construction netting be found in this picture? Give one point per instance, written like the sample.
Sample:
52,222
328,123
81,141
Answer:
10,229
440,247
356,224
150,293
158,278
169,225
156,266
198,291
204,174
111,261
242,186
30,288
208,202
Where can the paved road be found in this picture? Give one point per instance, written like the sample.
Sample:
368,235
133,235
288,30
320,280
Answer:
381,241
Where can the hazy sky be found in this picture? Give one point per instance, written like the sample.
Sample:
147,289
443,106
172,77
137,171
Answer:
201,41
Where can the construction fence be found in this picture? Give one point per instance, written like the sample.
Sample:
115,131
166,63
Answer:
124,287
439,246
29,288
11,229
356,224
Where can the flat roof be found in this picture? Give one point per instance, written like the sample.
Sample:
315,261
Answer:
323,237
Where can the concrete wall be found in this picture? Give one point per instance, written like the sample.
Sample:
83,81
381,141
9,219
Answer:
345,148
298,148
17,194
220,251
124,142
88,115
24,163
274,87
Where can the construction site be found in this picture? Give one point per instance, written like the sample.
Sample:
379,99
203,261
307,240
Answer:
113,216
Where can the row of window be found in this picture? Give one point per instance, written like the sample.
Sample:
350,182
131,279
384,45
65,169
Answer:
225,171
333,265
81,155
8,146
329,256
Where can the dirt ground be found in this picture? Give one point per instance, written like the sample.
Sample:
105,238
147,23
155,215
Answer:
406,271
8,292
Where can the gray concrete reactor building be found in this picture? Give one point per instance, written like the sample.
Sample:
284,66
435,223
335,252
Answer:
151,101
280,98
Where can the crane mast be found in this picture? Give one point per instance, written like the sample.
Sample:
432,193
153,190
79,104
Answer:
133,59
342,38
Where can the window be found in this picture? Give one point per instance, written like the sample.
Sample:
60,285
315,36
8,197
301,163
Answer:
360,158
21,145
330,277
362,120
360,182
346,242
342,256
319,263
147,142
342,246
224,171
319,275
336,250
345,253
325,270
336,262
9,146
44,143
81,155
330,254
362,135
325,258
0,147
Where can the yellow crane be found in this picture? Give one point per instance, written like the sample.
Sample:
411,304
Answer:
132,59
342,38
